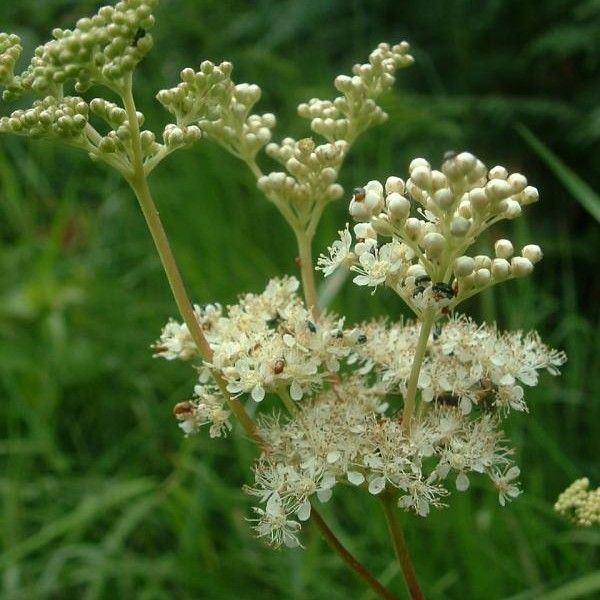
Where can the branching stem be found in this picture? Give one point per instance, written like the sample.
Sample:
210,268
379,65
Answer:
139,184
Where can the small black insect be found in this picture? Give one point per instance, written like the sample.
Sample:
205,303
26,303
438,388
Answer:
311,326
421,283
362,339
442,290
139,34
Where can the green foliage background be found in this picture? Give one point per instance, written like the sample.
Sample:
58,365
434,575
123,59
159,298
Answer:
100,495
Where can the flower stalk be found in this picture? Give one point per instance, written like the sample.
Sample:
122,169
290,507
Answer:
400,547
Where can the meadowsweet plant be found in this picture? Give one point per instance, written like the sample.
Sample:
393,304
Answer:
405,411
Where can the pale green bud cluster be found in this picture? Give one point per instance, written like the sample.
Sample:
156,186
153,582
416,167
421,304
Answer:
349,115
220,108
454,206
312,169
101,49
10,50
64,118
579,504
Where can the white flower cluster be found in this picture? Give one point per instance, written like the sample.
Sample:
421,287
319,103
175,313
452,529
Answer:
207,406
349,115
266,343
426,261
101,49
64,118
313,171
580,504
220,108
342,436
466,364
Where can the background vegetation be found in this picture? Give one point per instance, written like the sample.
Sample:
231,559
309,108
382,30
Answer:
100,495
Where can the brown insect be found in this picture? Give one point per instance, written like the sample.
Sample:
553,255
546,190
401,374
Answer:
359,194
182,409
279,366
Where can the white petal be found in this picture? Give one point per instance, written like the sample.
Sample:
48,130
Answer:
258,393
355,477
303,512
462,482
377,485
324,495
296,391
333,456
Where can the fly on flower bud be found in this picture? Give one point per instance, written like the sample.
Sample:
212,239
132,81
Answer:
358,194
279,366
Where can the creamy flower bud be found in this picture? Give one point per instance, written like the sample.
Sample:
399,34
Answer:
421,176
500,268
483,262
498,172
529,195
444,198
503,249
464,266
434,244
465,161
482,277
394,185
418,162
479,199
521,266
459,226
412,228
517,183
497,189
398,206
532,252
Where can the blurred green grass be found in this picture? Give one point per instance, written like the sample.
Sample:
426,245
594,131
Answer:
100,496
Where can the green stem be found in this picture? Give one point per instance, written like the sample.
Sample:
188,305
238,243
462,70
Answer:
350,560
400,547
307,273
411,391
139,184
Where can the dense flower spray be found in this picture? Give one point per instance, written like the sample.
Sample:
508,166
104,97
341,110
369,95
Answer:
407,411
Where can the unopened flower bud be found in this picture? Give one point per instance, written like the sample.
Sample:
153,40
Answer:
394,184
444,198
482,277
517,183
434,244
533,253
497,189
500,269
521,266
463,266
459,226
412,228
398,206
498,172
421,176
479,199
483,262
529,195
503,249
